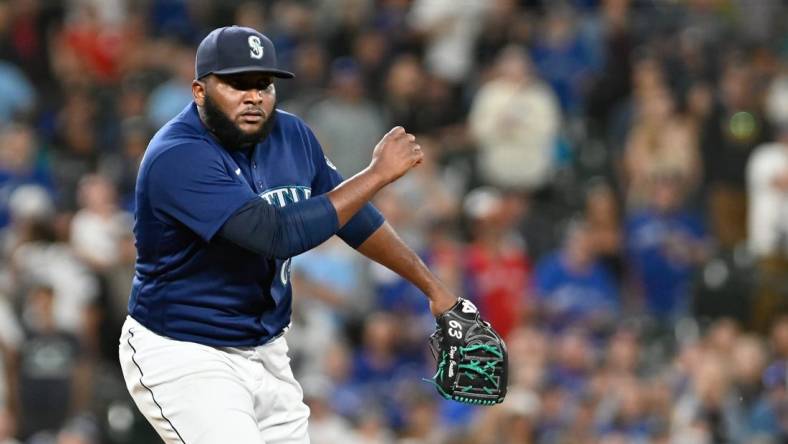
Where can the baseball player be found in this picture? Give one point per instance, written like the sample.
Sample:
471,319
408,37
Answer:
228,191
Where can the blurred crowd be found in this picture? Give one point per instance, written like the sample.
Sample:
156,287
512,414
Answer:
606,179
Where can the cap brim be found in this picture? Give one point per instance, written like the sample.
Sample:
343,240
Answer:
282,74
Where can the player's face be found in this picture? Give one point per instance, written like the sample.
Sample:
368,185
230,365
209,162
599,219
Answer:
246,99
238,109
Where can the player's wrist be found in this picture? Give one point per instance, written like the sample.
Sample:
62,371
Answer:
375,177
441,302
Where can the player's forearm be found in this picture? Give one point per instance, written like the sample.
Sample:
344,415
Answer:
386,248
352,194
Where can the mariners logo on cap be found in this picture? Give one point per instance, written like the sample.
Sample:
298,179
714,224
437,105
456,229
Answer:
255,47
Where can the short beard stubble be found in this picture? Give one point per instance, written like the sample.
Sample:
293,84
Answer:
229,134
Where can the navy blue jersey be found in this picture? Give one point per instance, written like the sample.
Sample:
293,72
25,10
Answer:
190,284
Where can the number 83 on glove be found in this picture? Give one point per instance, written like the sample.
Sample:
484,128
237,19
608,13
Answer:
472,363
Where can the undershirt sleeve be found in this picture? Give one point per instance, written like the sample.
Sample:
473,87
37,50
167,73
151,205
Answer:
282,232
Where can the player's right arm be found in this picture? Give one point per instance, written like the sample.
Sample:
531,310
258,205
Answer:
291,230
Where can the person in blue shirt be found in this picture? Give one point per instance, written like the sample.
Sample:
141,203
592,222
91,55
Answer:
227,192
20,164
665,243
573,286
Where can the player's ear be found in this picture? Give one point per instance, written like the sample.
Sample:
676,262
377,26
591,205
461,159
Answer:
198,92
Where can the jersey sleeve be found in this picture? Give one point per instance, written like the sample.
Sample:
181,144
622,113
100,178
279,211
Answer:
362,224
326,174
191,184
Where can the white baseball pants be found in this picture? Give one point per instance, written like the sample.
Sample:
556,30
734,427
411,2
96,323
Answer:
196,394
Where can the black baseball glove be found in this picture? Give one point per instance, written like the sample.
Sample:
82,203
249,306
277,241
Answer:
472,359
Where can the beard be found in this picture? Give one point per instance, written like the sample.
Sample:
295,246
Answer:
229,134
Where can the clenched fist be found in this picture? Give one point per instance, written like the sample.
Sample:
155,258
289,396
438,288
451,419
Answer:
395,154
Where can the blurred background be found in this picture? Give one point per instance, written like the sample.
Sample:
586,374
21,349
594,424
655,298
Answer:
606,179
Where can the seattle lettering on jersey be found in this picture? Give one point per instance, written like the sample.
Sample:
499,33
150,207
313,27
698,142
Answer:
282,196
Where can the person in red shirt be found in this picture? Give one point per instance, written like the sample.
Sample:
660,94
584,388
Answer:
497,265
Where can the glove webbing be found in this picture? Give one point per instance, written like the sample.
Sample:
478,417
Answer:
486,371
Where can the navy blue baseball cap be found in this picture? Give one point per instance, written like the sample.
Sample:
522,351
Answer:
237,49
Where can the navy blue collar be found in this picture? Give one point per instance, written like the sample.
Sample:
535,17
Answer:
191,117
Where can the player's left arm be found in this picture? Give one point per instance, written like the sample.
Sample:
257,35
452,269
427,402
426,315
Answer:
385,247
472,358
368,233
472,362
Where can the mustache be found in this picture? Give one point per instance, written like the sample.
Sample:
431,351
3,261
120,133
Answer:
254,110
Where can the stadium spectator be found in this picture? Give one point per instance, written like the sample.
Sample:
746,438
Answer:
767,187
646,76
371,50
17,95
169,98
39,257
504,24
626,414
603,218
613,28
421,417
76,152
346,122
329,280
708,409
380,366
574,287
326,426
310,61
749,365
24,38
564,58
665,242
776,100
121,167
99,237
572,364
404,92
659,140
449,29
52,374
92,46
99,226
515,146
497,267
21,163
623,354
733,129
